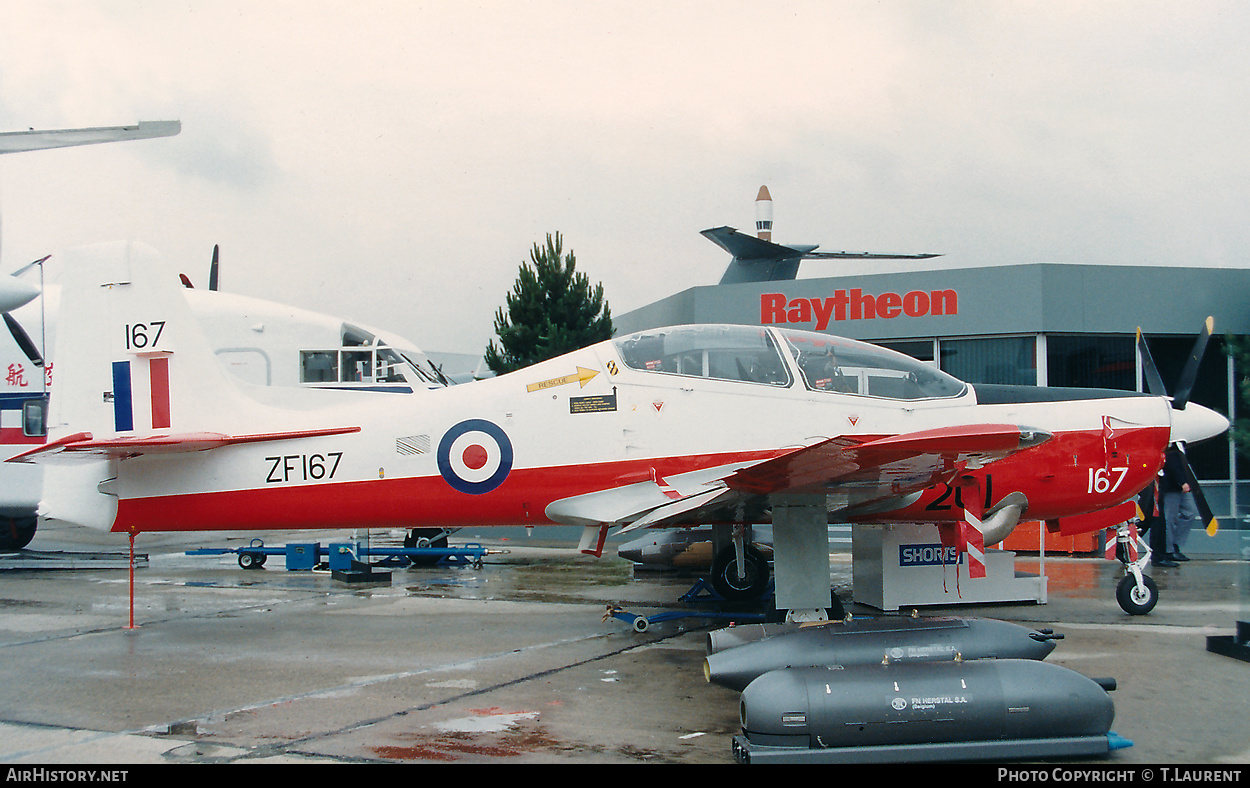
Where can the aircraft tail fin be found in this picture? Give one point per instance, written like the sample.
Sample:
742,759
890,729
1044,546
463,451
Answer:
131,359
131,365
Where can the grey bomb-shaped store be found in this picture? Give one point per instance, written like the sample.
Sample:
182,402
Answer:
1048,324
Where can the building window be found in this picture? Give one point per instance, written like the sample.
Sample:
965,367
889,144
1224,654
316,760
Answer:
920,349
1011,360
1088,361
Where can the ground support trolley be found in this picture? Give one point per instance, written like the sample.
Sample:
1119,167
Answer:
701,592
307,556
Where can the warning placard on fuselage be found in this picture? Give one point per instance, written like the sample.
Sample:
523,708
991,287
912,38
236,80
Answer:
600,403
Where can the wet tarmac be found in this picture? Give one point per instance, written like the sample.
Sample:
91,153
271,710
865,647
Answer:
509,662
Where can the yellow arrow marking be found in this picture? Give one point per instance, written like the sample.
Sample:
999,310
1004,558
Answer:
580,377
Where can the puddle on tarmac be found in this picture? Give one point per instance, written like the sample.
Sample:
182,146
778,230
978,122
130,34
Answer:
551,579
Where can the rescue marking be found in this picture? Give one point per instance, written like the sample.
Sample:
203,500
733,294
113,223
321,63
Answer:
475,456
582,376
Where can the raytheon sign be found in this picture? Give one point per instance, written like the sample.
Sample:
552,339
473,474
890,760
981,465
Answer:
855,304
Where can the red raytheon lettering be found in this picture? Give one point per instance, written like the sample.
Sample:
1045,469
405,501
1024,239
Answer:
855,304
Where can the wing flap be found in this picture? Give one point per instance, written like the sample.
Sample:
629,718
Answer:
82,446
625,503
675,508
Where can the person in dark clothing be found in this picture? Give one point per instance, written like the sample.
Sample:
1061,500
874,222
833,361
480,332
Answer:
1180,511
1153,526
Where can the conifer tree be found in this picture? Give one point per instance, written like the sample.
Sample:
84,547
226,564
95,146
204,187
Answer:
551,310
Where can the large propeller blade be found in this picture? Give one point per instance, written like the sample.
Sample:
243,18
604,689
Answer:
1180,398
1204,509
1154,383
23,340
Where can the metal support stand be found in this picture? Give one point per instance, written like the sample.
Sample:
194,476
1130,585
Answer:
132,581
801,555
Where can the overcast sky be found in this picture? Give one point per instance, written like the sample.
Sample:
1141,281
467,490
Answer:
393,162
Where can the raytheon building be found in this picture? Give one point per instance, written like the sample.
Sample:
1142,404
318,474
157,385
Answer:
1045,324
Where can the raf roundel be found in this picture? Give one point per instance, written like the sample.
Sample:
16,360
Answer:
475,456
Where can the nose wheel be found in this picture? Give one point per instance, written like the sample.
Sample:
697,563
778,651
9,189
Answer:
1136,592
1137,598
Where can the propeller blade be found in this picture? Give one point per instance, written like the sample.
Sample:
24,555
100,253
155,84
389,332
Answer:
1154,381
31,265
23,340
1204,509
1180,397
212,271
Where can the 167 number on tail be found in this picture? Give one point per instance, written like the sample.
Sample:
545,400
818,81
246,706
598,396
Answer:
142,336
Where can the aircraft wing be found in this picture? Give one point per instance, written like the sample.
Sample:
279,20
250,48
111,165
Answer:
885,466
748,248
862,469
82,446
19,141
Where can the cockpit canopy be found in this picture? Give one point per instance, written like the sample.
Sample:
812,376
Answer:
364,360
770,356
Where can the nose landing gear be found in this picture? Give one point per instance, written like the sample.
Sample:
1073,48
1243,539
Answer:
1137,593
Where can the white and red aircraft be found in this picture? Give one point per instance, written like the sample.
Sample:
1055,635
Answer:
692,424
261,341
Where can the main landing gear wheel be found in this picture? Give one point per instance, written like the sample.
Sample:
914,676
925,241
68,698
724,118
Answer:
424,538
1134,599
725,579
16,532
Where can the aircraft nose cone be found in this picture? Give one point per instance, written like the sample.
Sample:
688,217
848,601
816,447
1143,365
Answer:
14,292
1196,423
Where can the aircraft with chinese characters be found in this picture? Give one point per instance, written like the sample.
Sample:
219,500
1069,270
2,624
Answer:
260,341
726,425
